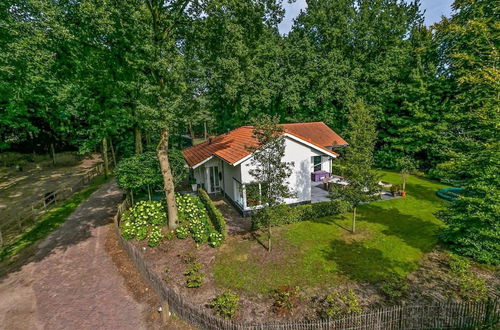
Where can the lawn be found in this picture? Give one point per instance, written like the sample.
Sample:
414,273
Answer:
391,238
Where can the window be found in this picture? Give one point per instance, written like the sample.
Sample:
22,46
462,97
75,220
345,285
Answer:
316,163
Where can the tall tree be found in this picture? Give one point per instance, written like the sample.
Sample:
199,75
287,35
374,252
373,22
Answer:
357,162
269,170
470,55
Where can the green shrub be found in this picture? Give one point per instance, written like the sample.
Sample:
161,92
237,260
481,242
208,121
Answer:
144,220
181,232
285,299
225,304
471,287
195,280
213,213
395,287
286,214
194,217
340,303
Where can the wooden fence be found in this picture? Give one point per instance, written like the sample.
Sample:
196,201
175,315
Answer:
16,223
447,315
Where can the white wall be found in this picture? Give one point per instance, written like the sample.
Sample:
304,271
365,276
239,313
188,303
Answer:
300,180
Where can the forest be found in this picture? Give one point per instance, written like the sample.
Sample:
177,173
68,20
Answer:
136,75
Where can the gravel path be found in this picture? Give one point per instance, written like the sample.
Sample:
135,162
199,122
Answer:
71,282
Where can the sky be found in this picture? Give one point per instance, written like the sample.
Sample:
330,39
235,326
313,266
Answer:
434,9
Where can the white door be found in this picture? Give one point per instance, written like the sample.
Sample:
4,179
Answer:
214,179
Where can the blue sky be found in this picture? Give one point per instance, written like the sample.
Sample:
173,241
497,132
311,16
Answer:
434,9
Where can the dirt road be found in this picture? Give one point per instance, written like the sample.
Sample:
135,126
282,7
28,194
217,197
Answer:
72,282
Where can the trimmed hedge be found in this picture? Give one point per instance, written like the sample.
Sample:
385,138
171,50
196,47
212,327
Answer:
213,213
286,214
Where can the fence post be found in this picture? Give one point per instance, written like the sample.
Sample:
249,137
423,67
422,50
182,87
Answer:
165,312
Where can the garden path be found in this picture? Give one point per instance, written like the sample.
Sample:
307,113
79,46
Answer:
236,223
71,281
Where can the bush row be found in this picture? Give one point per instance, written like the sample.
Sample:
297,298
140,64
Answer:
286,214
213,213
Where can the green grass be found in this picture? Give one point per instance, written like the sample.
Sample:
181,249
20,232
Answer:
51,221
391,238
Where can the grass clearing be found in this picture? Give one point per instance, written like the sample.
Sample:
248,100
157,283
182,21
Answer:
50,221
391,238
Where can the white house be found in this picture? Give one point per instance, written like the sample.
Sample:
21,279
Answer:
222,164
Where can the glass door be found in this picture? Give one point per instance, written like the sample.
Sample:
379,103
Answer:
213,172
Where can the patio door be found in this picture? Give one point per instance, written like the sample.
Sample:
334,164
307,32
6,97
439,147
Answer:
316,163
214,179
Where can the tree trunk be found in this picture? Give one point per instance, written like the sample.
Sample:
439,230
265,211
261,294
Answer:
191,132
149,193
205,130
53,153
105,157
404,184
138,140
112,151
168,182
269,238
354,220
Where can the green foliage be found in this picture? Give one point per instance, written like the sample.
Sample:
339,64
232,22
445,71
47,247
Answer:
142,171
181,232
225,304
286,214
340,303
471,287
194,278
285,299
139,172
193,216
144,220
215,216
395,287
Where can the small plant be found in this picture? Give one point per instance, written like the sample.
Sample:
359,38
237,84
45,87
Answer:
394,288
471,287
195,280
285,299
225,304
215,239
395,188
340,303
193,269
166,269
155,236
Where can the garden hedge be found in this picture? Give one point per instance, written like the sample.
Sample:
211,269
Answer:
213,213
286,214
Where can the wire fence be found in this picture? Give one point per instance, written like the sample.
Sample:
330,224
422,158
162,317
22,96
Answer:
447,315
17,223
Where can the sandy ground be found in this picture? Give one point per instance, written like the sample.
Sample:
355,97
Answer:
19,189
75,278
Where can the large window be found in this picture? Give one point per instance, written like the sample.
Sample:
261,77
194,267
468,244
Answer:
316,163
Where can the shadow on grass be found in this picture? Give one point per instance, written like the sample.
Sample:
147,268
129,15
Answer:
414,231
360,263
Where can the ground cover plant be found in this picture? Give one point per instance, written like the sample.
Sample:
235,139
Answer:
145,221
391,238
225,304
51,221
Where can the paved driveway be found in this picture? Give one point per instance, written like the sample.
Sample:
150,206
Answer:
71,282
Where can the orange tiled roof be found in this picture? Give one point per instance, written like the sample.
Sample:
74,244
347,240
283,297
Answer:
232,146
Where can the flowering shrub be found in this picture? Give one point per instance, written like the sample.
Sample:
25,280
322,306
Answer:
144,220
215,239
340,303
193,217
181,232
